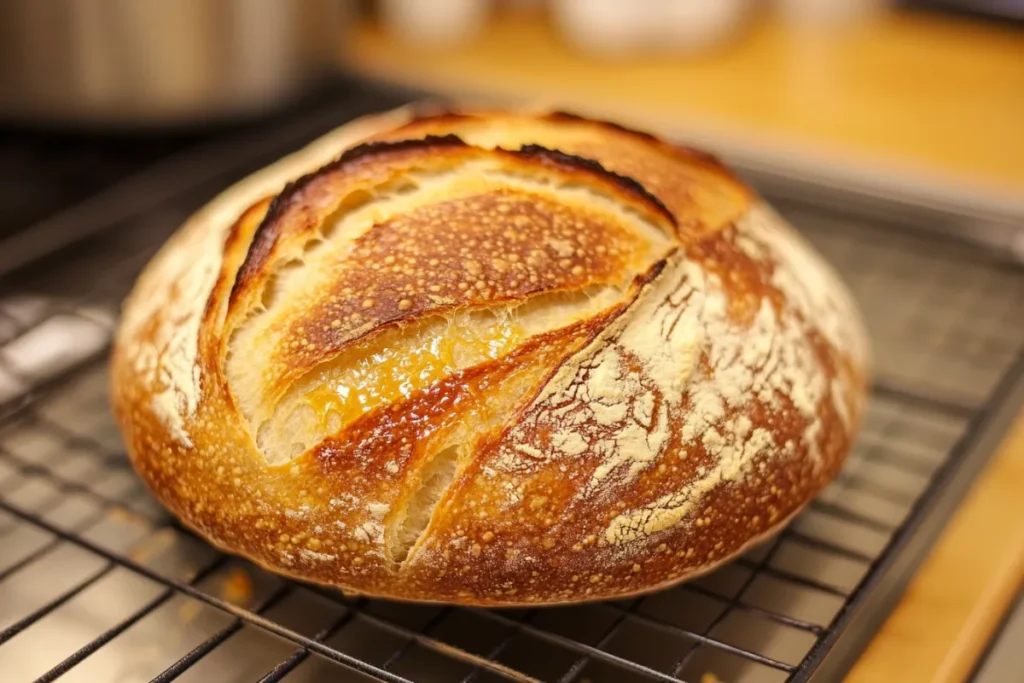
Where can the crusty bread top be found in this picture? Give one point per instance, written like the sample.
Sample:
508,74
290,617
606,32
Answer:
491,358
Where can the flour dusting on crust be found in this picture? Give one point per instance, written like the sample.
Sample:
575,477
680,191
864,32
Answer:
679,369
807,281
166,359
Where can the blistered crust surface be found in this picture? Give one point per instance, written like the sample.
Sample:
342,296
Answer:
682,374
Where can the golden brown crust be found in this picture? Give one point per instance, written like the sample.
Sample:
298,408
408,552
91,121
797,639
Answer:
492,359
701,193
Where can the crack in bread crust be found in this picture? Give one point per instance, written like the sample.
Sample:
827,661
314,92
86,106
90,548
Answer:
683,376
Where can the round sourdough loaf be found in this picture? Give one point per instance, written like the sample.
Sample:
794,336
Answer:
488,358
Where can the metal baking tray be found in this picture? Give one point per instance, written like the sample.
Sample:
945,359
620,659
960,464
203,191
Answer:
97,582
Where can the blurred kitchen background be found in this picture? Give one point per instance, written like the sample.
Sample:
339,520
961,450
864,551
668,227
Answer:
918,99
873,125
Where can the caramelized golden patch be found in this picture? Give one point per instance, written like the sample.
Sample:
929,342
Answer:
379,373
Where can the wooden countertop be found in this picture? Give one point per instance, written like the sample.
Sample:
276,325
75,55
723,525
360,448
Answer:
932,99
957,599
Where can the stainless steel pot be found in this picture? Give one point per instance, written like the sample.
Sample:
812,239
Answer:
160,62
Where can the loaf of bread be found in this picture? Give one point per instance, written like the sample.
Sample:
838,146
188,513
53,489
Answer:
488,358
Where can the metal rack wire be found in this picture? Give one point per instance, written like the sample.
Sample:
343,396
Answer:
97,582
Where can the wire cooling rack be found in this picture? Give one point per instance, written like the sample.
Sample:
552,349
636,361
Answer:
98,583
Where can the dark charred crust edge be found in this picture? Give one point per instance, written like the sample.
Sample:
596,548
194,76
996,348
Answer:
629,185
230,242
440,112
269,230
691,153
652,273
263,241
375,147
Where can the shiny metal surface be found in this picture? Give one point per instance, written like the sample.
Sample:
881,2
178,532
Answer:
160,62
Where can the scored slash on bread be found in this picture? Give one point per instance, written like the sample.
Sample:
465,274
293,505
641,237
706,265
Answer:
488,358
